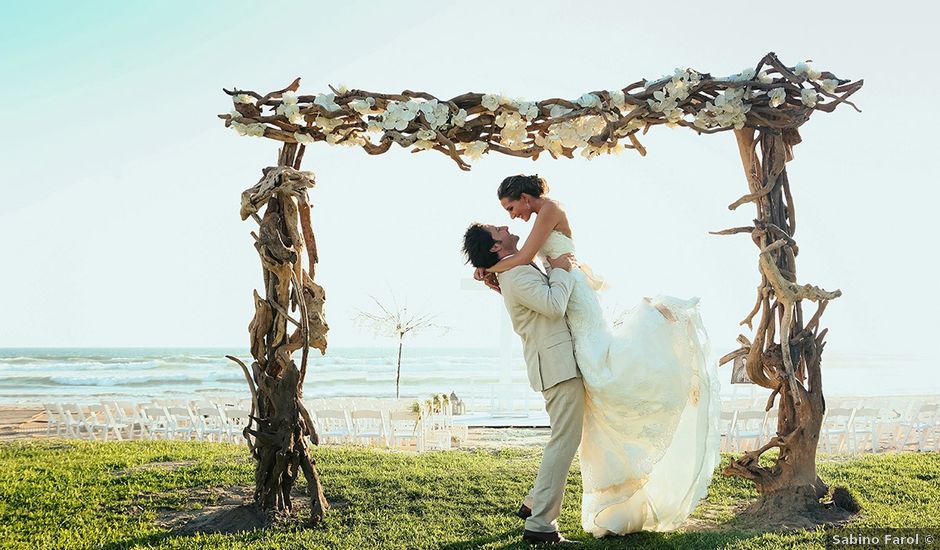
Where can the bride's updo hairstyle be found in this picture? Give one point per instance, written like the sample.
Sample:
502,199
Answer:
514,186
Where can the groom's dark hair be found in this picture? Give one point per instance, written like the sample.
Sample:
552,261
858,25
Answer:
477,242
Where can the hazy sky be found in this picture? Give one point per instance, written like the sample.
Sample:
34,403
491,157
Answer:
120,186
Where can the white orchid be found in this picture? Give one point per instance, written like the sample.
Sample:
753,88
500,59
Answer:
805,69
588,100
778,96
427,135
327,102
559,110
475,149
528,109
764,78
327,124
244,98
289,98
460,118
303,138
363,105
808,96
830,85
435,113
490,102
617,99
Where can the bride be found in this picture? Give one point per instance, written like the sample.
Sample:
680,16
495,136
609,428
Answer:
650,441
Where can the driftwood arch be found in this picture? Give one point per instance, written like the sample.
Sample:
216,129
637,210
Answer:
764,106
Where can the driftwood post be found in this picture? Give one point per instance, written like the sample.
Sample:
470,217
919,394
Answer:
279,420
763,105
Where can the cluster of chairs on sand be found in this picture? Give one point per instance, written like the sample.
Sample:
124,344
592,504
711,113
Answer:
852,424
389,423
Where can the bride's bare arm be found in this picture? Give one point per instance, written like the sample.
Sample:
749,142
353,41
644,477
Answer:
545,222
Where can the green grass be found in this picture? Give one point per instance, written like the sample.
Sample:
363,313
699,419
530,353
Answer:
76,494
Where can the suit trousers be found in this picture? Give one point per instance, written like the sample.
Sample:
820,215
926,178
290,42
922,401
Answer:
564,403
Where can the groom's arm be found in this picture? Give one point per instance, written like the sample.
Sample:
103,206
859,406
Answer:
529,288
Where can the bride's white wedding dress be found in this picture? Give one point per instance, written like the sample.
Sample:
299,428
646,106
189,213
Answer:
651,417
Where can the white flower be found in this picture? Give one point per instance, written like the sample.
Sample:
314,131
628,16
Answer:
291,111
427,134
375,125
254,129
805,69
328,124
589,100
778,96
460,118
490,102
362,105
424,144
617,99
435,113
244,98
559,110
830,85
326,101
398,114
764,78
289,98
743,76
303,138
342,89
475,149
808,96
529,109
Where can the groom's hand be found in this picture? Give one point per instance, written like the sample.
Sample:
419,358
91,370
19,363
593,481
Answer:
565,261
491,281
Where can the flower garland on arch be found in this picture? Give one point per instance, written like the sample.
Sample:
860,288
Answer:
770,95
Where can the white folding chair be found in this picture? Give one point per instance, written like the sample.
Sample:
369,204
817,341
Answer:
211,422
333,425
749,426
369,427
74,419
158,422
922,425
54,419
235,422
183,425
96,420
404,427
865,428
837,422
726,420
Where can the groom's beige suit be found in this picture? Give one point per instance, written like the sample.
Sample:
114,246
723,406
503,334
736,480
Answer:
537,305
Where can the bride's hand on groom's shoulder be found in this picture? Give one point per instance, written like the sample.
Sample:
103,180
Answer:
479,273
491,281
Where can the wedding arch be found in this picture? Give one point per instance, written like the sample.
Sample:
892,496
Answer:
764,106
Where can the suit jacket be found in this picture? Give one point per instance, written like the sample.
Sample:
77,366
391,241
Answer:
536,305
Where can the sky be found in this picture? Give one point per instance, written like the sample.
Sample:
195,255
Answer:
120,186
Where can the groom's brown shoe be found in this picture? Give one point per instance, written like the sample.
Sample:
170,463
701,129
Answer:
553,537
524,512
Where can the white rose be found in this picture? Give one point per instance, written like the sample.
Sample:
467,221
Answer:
490,102
326,101
808,96
778,96
427,134
764,78
362,105
589,100
303,138
617,99
559,110
256,130
244,98
830,85
460,118
475,149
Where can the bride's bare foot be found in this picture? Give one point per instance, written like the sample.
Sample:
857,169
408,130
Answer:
663,309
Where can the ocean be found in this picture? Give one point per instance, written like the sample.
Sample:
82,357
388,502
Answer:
34,375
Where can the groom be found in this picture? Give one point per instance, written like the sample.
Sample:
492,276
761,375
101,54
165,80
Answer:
537,305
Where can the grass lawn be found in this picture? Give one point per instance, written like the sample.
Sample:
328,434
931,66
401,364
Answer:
77,494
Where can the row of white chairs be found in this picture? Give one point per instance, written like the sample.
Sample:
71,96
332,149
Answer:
173,419
389,423
857,428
